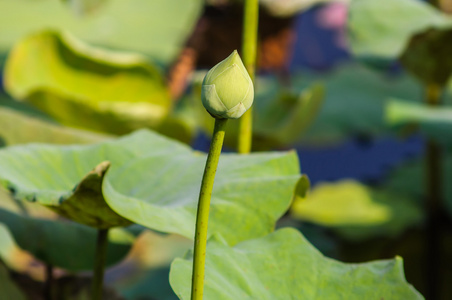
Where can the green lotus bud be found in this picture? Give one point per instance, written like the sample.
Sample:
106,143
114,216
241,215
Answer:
227,89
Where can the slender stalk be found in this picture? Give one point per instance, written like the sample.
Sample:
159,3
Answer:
202,217
249,50
99,264
49,283
433,203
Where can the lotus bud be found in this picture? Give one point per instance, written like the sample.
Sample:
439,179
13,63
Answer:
227,90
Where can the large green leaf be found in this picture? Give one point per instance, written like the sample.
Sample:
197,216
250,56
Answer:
153,181
86,87
357,211
18,128
284,265
157,27
53,240
409,29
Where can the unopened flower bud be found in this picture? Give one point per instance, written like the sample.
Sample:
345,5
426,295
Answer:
227,89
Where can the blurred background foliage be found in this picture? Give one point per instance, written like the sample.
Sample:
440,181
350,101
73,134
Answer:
342,82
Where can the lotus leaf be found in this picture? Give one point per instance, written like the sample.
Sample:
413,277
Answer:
152,181
412,30
284,265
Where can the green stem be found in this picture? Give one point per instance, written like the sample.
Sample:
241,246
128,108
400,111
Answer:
249,50
49,283
202,217
433,202
99,264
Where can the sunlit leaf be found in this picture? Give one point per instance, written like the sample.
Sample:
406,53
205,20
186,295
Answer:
357,211
284,265
86,87
152,181
345,203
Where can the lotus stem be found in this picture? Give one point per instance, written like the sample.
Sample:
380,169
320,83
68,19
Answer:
99,264
433,202
49,283
202,217
249,50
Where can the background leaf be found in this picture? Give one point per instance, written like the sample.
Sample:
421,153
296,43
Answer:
19,128
283,265
398,111
354,102
358,212
384,28
434,122
86,87
344,203
412,30
157,28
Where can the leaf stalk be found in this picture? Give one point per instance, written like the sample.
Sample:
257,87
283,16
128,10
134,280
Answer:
249,51
99,264
433,203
